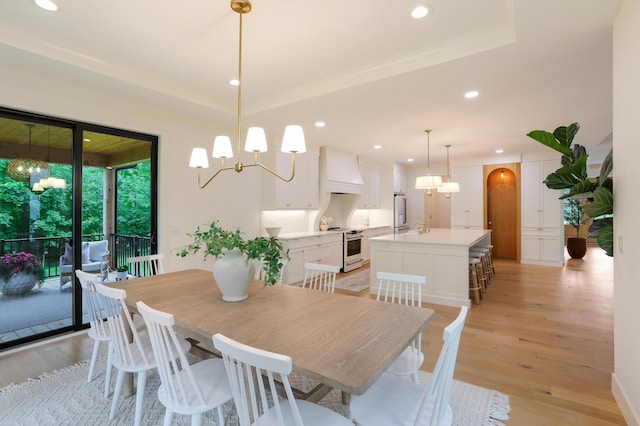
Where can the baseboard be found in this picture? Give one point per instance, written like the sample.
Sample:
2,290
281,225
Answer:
630,416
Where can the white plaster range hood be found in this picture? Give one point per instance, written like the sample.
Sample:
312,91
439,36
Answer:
339,172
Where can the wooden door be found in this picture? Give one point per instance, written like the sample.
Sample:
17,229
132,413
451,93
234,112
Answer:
502,212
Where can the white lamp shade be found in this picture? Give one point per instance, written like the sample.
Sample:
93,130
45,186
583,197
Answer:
256,140
428,182
293,140
199,158
449,187
222,147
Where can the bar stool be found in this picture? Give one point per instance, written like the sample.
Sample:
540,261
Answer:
492,269
483,255
475,288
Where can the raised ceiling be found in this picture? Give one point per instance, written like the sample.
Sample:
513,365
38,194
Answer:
366,68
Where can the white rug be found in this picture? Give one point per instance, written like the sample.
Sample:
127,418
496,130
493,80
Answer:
65,398
354,282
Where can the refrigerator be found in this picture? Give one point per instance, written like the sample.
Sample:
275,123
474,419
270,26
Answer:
400,224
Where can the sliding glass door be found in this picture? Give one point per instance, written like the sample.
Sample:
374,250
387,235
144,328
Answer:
60,194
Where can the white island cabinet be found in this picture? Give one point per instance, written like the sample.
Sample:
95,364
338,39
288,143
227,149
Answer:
441,255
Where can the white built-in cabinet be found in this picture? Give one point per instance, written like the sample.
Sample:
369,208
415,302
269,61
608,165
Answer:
326,249
369,233
467,206
542,224
370,198
399,179
301,192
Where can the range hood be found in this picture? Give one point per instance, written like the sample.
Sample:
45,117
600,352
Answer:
339,172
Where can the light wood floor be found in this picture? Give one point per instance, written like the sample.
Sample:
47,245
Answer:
542,335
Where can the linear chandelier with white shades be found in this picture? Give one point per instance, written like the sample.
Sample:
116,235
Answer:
428,182
449,187
292,142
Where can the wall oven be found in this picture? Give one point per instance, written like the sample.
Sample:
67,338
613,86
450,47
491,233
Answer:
352,251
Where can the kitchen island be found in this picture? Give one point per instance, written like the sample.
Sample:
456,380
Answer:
442,255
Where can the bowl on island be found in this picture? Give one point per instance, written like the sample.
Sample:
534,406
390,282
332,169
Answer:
273,231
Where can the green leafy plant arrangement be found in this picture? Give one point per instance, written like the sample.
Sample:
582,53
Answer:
214,240
573,176
122,268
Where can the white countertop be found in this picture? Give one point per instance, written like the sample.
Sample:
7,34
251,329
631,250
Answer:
439,236
296,235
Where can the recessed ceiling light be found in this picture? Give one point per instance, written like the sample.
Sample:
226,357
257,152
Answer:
234,82
471,94
410,160
47,5
419,12
499,151
377,147
320,124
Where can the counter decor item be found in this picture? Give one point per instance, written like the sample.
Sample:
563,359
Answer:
234,270
19,273
573,176
324,222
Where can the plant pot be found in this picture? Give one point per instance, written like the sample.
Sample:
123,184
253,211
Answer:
576,247
234,273
121,275
18,283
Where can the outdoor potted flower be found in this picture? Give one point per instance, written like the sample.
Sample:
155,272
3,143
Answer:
121,272
19,273
234,270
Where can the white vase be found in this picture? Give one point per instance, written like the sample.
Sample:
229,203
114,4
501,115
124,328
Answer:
18,283
233,273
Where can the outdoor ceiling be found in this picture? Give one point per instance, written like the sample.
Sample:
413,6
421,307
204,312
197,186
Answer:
366,68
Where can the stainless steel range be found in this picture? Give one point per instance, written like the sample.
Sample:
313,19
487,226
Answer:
352,258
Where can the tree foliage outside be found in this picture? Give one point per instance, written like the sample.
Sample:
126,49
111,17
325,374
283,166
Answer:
27,214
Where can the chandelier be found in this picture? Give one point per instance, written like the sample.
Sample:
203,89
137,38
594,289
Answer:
428,182
24,169
449,187
292,142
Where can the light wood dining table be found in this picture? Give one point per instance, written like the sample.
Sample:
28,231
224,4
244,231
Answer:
343,342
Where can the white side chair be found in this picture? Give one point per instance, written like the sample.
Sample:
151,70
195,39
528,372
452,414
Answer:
128,357
260,273
142,266
406,290
252,375
99,330
185,389
392,400
320,277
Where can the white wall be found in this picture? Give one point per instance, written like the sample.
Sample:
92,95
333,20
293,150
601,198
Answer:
626,115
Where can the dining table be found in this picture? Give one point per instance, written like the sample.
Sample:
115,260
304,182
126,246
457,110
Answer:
341,341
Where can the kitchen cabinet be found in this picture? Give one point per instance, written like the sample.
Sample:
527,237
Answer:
399,179
369,233
370,198
301,192
325,248
467,206
542,221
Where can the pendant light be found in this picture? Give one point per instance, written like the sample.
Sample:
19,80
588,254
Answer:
292,142
24,169
449,187
428,183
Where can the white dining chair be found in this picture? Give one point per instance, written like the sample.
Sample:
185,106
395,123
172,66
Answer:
185,389
98,331
253,375
261,274
134,356
141,266
406,290
393,400
320,277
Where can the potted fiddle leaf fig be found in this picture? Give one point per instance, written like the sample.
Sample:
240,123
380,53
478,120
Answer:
234,269
572,175
574,216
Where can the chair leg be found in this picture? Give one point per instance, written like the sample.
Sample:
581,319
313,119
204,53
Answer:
414,377
116,394
196,419
107,375
220,410
142,382
168,417
94,356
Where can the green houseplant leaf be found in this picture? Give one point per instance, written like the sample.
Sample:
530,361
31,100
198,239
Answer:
549,140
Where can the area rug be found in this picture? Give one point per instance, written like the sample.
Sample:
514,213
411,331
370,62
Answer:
64,397
354,282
